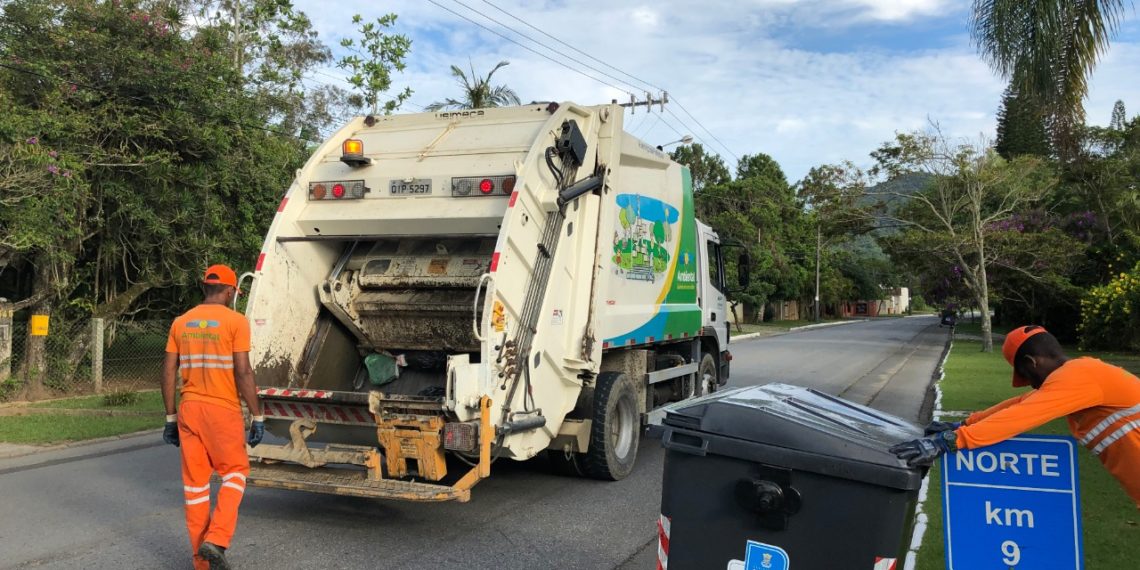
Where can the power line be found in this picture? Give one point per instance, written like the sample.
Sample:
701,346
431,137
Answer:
627,74
724,146
537,29
571,47
530,49
641,124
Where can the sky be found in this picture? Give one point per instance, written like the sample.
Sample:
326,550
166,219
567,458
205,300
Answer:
808,82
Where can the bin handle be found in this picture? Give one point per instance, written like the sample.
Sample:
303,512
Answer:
671,442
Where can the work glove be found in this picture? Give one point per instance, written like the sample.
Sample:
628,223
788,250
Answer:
256,431
170,433
938,427
922,452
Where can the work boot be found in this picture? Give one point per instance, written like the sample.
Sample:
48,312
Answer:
215,555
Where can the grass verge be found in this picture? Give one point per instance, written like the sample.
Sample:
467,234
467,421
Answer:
149,401
975,380
50,428
43,429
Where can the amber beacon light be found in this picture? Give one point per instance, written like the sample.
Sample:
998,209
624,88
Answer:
352,153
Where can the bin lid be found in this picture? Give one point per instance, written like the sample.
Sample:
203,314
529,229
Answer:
830,430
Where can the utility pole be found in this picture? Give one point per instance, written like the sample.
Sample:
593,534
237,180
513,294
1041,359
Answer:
818,246
648,103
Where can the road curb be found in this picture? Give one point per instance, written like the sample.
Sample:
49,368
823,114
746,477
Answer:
825,325
920,518
77,444
755,335
751,336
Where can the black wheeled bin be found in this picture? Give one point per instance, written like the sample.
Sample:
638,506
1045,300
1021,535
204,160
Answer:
779,476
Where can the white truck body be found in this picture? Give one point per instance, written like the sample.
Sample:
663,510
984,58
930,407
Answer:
515,269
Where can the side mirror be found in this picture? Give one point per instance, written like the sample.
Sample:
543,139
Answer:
744,270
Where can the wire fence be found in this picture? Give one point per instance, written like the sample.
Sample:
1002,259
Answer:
80,357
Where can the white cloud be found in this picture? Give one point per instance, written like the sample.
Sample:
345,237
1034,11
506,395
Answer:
721,61
898,10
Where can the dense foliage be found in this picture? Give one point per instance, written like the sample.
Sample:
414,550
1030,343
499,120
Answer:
141,141
1111,313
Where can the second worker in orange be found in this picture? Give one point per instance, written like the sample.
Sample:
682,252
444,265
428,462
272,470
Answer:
209,347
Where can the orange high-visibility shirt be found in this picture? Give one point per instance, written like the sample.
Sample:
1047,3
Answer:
205,339
1102,403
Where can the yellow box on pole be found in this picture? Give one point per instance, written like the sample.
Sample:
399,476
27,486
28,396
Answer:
39,325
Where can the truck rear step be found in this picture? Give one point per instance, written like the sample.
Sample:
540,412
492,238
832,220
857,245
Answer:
354,483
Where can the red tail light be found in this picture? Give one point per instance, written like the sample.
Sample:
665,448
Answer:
465,186
337,190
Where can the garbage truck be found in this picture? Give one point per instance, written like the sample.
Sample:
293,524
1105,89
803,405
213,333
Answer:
438,291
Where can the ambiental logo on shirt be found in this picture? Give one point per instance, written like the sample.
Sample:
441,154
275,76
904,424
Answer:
198,329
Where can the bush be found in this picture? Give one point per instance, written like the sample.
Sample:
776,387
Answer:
1110,314
121,398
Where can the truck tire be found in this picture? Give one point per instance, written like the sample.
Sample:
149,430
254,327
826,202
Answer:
708,378
615,430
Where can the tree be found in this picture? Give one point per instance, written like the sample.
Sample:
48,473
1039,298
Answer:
1021,126
1119,116
152,159
706,169
478,93
957,218
760,211
1047,49
374,56
835,199
272,45
762,166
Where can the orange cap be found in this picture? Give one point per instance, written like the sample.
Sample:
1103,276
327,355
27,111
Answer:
1013,341
220,275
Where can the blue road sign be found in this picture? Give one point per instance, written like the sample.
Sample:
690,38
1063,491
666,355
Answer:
1013,505
760,556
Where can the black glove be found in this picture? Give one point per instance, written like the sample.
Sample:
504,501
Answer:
170,433
938,427
923,452
256,432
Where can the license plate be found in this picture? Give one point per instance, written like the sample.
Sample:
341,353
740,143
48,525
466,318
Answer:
418,186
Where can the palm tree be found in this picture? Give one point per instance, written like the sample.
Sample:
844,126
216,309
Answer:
478,93
1047,49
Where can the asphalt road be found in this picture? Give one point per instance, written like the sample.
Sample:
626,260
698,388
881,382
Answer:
119,505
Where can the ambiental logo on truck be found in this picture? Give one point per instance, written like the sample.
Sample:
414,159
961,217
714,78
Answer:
641,242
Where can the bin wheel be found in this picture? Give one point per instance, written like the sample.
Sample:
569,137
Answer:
615,429
708,376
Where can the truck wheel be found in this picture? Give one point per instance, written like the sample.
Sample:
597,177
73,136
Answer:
615,429
708,380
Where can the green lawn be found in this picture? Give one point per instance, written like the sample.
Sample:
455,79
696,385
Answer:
50,428
148,401
974,380
57,428
968,326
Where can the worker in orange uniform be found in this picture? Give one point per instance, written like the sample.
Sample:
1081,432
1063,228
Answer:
209,346
1102,403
